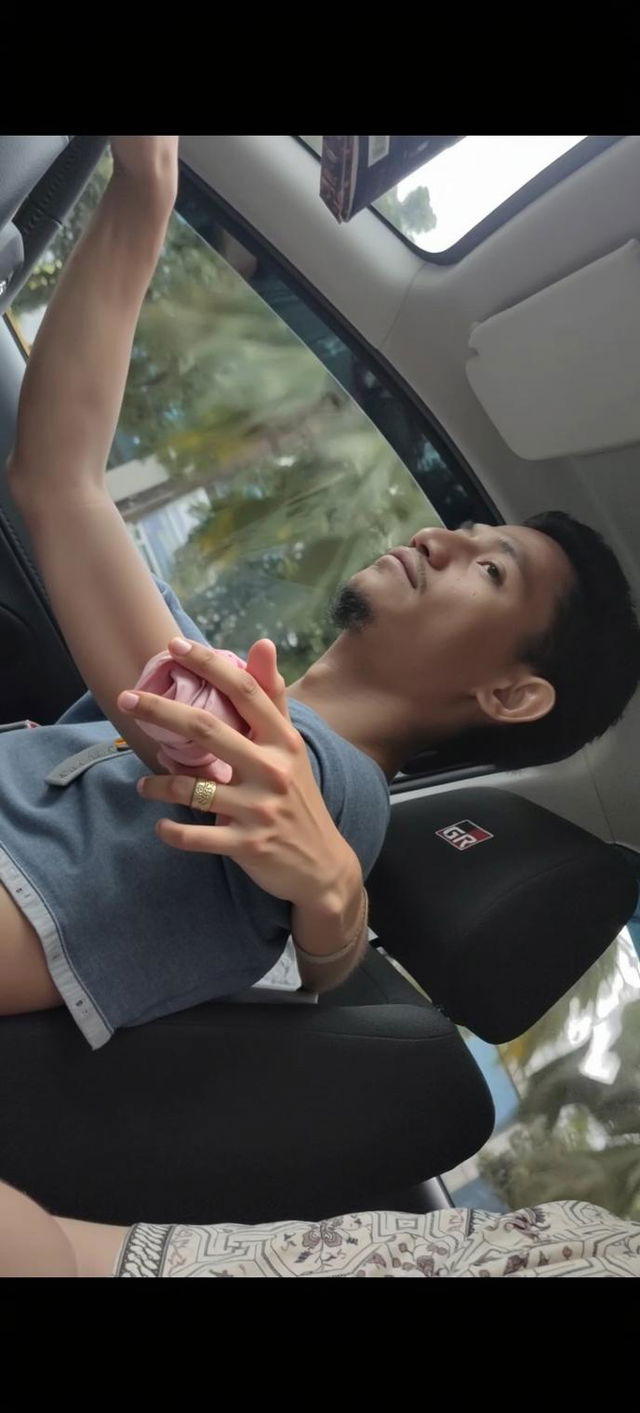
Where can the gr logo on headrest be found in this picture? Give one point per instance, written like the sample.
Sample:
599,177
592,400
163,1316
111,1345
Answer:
464,834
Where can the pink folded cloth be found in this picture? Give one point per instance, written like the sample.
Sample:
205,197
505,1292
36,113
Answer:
168,678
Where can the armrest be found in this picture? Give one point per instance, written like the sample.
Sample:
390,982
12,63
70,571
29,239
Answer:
231,1113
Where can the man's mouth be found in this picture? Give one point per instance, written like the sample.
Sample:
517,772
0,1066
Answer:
407,558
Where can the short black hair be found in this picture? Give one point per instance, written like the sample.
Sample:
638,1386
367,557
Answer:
590,654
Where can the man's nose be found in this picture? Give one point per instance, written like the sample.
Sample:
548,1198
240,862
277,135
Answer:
440,546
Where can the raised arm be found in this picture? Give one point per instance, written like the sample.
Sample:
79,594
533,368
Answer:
106,602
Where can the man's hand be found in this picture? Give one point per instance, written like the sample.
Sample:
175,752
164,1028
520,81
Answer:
146,160
274,823
279,830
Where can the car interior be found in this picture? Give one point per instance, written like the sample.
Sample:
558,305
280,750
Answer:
304,394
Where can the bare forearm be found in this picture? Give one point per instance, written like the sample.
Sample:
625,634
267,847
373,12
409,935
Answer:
331,938
75,379
33,1243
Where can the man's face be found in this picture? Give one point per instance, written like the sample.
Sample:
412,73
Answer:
448,614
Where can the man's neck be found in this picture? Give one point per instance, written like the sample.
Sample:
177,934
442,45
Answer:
366,715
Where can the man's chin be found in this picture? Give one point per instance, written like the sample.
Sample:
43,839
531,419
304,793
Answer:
350,610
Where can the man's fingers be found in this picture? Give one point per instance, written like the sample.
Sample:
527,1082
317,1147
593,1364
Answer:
226,800
250,700
200,838
262,663
196,724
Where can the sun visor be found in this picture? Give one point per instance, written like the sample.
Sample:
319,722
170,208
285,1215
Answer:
559,374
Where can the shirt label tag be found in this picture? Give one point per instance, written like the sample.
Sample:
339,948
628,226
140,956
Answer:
76,765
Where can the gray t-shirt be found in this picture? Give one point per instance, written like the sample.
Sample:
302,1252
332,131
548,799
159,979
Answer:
133,929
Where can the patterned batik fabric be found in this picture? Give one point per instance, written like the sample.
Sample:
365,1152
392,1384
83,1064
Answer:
555,1239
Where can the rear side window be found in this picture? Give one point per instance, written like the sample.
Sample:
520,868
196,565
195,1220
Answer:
261,457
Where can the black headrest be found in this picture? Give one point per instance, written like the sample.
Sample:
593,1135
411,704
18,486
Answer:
495,905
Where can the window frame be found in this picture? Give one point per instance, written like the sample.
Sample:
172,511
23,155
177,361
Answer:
550,176
257,244
370,357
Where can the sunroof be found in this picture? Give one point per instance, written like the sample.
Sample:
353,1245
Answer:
443,201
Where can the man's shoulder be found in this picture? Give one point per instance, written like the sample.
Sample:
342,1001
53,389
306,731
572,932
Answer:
321,737
353,786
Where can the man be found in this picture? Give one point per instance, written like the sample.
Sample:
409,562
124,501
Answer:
526,632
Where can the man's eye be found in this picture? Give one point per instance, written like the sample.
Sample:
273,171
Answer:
493,570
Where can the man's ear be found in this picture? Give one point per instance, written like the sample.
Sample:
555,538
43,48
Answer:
527,699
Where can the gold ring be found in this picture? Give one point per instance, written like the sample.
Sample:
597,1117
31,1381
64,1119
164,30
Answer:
204,792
